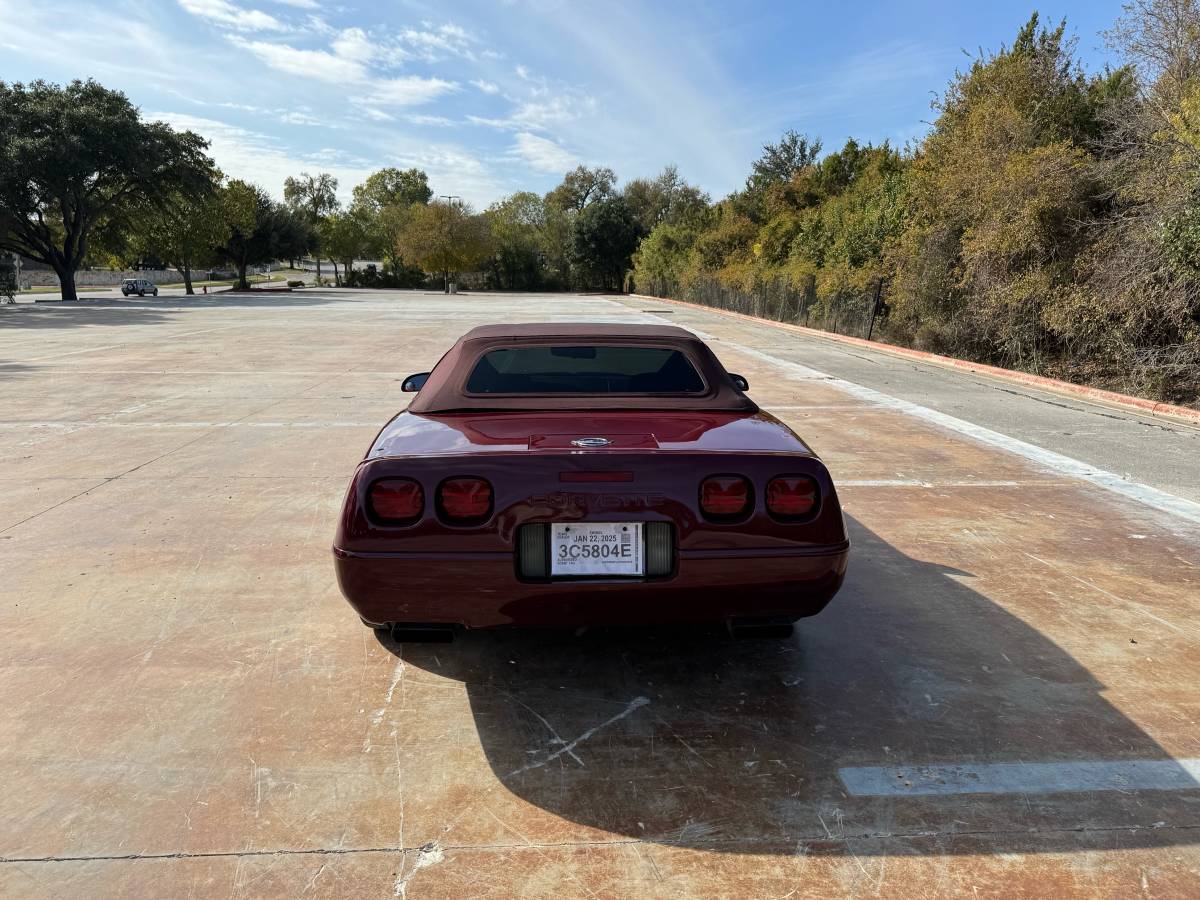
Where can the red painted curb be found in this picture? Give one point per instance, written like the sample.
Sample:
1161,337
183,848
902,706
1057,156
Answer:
1189,415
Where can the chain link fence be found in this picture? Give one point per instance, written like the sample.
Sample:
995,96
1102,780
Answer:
852,313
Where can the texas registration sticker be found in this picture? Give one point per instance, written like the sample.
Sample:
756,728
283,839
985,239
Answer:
596,548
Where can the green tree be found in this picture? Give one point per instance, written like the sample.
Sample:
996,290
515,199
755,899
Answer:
1137,307
517,224
73,157
445,238
604,236
314,197
275,231
778,164
582,186
1004,196
184,231
665,198
344,237
579,188
391,187
384,203
663,260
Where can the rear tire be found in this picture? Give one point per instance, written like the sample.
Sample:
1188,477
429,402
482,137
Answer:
141,293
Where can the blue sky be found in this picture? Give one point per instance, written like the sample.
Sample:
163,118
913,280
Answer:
494,97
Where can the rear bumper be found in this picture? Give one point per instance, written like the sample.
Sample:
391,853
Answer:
481,590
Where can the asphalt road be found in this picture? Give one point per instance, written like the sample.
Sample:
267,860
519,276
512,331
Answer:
1000,702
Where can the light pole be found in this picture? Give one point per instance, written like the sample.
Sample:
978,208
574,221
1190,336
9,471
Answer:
449,198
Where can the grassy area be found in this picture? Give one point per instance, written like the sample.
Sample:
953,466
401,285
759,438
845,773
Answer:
278,275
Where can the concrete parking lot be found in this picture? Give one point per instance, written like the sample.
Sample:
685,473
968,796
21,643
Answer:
1001,703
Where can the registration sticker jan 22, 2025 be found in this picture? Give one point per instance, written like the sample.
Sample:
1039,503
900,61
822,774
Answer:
596,548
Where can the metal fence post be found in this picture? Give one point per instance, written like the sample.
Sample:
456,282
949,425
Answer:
875,308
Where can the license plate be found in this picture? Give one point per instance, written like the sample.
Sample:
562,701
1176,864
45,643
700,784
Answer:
596,548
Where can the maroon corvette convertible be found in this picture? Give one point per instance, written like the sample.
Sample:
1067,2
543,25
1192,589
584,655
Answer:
575,475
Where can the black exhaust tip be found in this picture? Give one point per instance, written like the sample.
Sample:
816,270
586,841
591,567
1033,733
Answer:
764,629
416,633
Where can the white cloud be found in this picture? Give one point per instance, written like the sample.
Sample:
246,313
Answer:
318,25
261,159
377,115
348,63
319,64
433,42
554,111
438,121
540,114
224,13
452,170
487,87
353,43
542,154
411,90
294,117
299,4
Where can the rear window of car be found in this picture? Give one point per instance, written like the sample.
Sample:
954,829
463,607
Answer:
584,369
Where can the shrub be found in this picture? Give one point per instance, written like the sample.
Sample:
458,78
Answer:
295,284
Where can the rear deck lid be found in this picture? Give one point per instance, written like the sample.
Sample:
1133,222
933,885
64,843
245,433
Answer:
585,440
410,434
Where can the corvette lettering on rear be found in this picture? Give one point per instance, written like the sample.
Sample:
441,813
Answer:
562,499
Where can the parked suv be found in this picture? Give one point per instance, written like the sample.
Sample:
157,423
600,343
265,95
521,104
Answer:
139,286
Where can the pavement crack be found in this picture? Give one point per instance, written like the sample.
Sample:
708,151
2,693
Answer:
634,704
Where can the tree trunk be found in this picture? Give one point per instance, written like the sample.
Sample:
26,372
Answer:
337,279
318,270
187,280
446,279
66,279
242,284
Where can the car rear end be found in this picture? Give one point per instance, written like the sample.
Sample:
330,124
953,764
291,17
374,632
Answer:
570,536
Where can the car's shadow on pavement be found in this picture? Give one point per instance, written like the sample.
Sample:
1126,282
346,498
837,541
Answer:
686,737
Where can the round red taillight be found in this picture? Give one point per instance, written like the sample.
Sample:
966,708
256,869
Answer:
465,499
791,496
724,496
397,500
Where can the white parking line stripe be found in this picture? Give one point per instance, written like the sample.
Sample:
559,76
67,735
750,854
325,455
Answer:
847,407
913,482
1023,778
68,353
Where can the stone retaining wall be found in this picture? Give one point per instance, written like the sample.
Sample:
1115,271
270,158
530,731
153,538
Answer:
94,277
